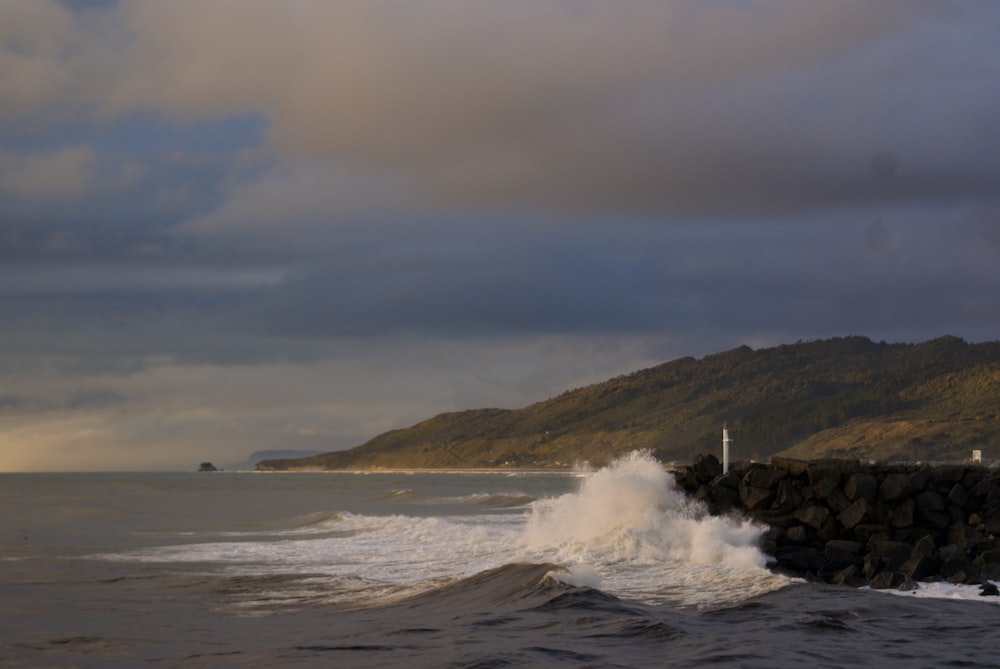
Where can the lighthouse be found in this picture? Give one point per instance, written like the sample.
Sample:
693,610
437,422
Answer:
725,448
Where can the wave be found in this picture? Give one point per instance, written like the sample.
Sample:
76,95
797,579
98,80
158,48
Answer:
628,530
632,512
495,500
317,520
405,493
515,586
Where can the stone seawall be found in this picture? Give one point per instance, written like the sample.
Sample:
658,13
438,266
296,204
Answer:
856,524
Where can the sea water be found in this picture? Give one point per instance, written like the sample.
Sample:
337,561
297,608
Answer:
607,568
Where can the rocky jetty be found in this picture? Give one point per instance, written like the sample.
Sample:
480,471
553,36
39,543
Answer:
845,522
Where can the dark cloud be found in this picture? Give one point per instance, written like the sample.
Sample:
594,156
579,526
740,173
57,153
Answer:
8,402
878,238
94,398
602,280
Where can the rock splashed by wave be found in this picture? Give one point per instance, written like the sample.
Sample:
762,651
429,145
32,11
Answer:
631,511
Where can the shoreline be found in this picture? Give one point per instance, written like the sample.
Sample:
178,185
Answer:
424,470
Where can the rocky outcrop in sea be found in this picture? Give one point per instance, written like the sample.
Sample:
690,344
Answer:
853,523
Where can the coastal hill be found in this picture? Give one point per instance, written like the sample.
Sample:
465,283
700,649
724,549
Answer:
846,397
282,454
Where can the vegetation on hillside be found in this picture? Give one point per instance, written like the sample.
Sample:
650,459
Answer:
843,397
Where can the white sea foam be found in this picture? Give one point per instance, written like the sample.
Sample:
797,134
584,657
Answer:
630,531
632,512
943,590
499,500
579,575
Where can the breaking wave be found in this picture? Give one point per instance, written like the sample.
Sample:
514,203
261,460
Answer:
632,512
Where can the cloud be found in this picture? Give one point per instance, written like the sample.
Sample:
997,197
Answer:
304,200
682,108
135,280
54,61
62,173
666,108
94,398
10,402
35,37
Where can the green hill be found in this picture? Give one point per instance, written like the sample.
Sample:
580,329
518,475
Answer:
843,397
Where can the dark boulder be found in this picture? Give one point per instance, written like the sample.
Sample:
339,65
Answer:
919,478
861,486
789,496
924,546
854,514
989,564
813,515
720,498
686,480
960,570
850,576
895,580
728,480
867,533
797,533
957,496
921,567
902,514
984,488
824,478
991,521
892,553
799,559
946,476
964,537
706,467
754,498
795,468
894,486
840,553
930,500
764,478
936,519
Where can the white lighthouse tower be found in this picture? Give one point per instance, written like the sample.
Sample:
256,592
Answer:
725,448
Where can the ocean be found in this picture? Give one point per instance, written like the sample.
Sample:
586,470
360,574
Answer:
607,568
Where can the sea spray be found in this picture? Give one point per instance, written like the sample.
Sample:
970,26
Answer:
631,512
628,531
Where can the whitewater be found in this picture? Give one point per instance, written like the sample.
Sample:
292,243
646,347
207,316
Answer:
613,567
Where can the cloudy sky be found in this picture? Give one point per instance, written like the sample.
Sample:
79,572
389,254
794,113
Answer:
233,225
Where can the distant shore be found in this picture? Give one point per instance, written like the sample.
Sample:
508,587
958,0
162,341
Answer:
428,470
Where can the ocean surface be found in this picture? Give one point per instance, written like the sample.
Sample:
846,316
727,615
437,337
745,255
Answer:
611,568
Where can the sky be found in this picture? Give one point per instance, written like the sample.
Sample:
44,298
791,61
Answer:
237,225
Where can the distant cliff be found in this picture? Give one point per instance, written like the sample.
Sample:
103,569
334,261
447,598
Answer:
846,397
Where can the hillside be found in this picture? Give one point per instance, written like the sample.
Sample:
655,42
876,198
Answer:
251,462
843,397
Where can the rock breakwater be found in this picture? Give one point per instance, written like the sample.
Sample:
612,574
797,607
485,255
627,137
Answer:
853,523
